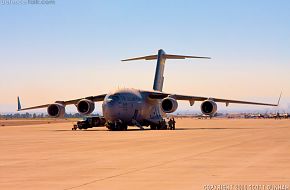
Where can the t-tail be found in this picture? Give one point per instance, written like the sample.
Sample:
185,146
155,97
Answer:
161,58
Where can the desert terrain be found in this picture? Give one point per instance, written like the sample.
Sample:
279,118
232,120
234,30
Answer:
200,153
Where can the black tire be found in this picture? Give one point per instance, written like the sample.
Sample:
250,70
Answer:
125,127
117,127
112,127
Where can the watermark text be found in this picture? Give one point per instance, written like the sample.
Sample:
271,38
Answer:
27,2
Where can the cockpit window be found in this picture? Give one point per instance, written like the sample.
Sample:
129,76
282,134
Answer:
114,98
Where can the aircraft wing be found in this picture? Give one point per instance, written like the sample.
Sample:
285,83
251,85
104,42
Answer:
97,98
192,99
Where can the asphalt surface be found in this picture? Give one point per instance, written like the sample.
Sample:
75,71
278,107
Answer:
198,155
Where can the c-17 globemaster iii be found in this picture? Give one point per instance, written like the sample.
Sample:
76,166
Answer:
134,107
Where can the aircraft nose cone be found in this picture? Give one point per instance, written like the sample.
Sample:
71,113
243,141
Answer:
111,110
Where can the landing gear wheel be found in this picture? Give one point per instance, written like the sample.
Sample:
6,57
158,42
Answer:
125,127
109,127
112,127
118,126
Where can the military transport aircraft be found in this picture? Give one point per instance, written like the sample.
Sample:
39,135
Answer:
133,107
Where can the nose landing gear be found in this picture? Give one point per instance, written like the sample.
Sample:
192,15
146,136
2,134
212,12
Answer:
117,126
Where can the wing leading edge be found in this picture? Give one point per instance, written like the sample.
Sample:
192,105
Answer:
97,98
192,99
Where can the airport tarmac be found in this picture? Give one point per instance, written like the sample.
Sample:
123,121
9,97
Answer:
198,153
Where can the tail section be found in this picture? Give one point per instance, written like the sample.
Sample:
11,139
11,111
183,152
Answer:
159,78
161,58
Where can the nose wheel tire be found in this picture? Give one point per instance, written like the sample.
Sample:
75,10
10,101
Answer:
117,127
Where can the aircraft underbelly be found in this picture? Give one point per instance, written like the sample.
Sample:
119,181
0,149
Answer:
131,109
125,112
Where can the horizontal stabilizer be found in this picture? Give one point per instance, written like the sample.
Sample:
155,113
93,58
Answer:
149,57
165,56
168,56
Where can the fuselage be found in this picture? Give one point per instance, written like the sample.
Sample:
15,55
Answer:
130,106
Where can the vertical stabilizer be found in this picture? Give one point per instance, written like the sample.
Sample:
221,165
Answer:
159,71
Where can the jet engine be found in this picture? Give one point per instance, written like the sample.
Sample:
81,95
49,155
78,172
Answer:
169,105
56,110
85,106
208,107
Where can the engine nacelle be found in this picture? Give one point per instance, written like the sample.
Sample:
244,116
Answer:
85,106
169,105
208,107
56,110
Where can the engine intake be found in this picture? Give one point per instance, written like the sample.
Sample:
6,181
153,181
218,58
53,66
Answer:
56,110
208,107
169,105
85,106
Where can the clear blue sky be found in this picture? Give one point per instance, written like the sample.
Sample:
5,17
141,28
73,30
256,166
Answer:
73,48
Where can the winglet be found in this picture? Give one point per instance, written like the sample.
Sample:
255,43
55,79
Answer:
279,99
18,104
